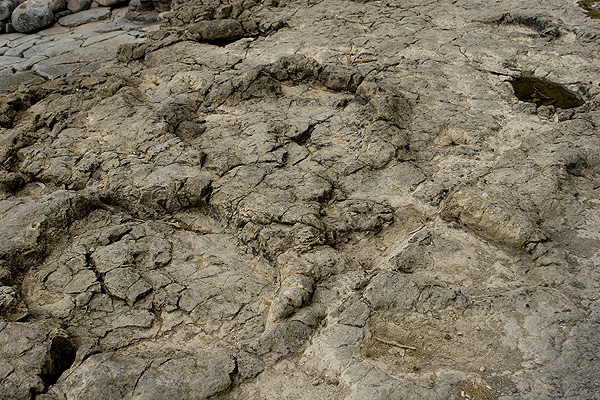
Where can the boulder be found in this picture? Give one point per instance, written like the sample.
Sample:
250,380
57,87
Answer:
32,16
55,5
6,9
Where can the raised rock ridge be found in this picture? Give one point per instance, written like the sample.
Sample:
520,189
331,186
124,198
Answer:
304,199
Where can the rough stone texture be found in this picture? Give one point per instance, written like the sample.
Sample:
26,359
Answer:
61,51
31,16
107,3
6,9
76,6
55,5
307,200
84,17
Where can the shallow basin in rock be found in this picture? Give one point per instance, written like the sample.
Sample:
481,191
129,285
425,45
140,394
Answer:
544,93
592,7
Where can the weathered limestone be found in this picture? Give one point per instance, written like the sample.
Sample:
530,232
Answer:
334,200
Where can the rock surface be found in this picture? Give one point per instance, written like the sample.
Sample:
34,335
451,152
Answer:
76,6
304,199
61,51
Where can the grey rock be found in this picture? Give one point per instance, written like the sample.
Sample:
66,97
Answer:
391,291
103,376
185,378
249,366
141,5
31,16
126,284
76,6
84,17
49,70
334,350
12,307
30,226
6,9
216,31
56,6
107,3
61,14
12,80
9,60
411,259
31,351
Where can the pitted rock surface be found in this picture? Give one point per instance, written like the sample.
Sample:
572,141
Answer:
308,200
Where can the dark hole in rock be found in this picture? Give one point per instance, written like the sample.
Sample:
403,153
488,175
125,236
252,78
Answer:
544,93
60,358
592,7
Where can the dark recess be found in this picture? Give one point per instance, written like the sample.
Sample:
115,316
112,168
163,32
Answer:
544,93
592,7
537,23
60,358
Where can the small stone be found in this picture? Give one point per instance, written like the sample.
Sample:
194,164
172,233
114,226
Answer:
78,5
31,16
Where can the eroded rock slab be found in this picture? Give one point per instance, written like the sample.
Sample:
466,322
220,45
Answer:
340,200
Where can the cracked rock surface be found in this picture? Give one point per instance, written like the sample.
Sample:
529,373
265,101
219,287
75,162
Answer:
308,200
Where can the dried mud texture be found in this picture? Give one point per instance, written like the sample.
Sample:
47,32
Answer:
309,200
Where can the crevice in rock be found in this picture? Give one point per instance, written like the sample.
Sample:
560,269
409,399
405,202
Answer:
60,358
303,137
99,276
